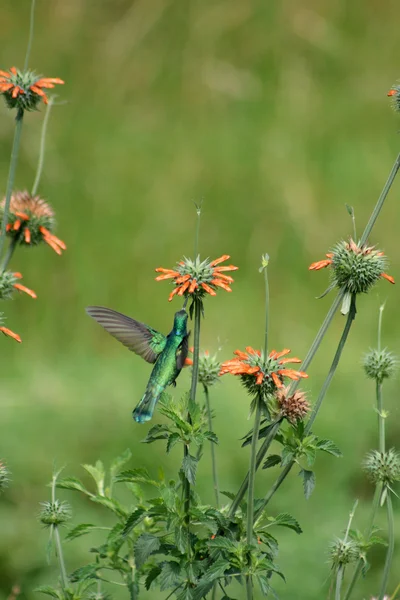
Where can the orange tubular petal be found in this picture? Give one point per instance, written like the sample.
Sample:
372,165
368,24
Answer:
182,278
320,264
22,288
388,277
21,215
391,93
15,91
8,227
251,350
221,259
5,74
226,278
27,235
208,289
193,286
13,70
4,87
17,225
241,354
221,284
292,374
46,80
260,378
161,270
51,243
165,276
281,353
17,275
11,334
172,294
329,254
183,288
40,93
225,268
188,362
59,242
276,380
284,361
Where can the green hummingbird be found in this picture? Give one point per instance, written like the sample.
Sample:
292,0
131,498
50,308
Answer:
166,352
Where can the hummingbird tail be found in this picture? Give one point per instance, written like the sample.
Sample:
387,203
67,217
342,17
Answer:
144,410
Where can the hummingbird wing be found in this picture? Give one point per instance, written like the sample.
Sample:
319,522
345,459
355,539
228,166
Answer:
138,337
182,352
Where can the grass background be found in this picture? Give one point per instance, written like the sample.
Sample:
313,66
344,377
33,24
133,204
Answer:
274,113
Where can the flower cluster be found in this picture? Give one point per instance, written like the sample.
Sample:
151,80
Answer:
31,221
294,407
394,94
196,278
9,283
262,373
24,89
355,269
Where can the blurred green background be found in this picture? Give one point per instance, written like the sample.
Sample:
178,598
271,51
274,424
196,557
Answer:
274,113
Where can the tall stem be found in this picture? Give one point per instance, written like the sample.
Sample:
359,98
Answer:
390,550
252,476
30,39
197,232
11,175
60,555
42,147
9,253
212,446
266,308
381,417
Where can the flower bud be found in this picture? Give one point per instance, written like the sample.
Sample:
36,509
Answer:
209,369
344,552
382,467
54,513
379,364
294,407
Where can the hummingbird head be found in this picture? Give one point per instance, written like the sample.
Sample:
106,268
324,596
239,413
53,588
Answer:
180,321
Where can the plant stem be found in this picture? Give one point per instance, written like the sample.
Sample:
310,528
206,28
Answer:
381,200
339,581
212,446
197,232
389,554
9,253
42,147
63,572
30,39
252,476
266,312
11,175
381,417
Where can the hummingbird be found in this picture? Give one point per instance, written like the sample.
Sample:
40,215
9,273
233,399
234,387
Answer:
166,352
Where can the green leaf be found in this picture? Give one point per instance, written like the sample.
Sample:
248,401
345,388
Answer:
170,575
271,461
49,591
310,453
113,505
286,520
152,575
79,530
181,539
287,456
215,570
229,495
222,543
72,483
139,475
189,467
98,473
173,439
86,572
146,544
157,432
264,431
308,482
330,447
119,462
210,435
134,518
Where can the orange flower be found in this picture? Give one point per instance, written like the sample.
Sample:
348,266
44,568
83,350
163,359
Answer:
9,282
24,89
10,334
31,221
197,278
354,268
256,370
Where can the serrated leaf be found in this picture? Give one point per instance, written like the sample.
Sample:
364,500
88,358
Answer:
229,495
222,543
264,431
310,453
287,456
79,530
157,432
271,461
308,482
286,520
329,447
181,538
120,461
86,572
215,570
98,473
72,483
139,475
210,435
111,504
170,575
189,468
173,439
145,545
49,591
134,518
151,576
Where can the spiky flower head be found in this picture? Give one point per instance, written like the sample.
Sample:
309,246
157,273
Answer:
394,94
260,373
379,364
31,220
4,476
355,269
293,407
7,332
382,466
196,278
9,283
24,89
209,368
343,552
54,513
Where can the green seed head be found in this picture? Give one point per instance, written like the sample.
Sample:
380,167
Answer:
54,513
209,369
4,476
382,466
342,553
379,364
357,269
7,281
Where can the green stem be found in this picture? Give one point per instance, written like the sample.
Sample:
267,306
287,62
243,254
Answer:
9,253
390,550
42,147
252,477
11,175
381,309
381,417
282,476
30,39
380,202
212,446
197,232
339,581
63,572
266,312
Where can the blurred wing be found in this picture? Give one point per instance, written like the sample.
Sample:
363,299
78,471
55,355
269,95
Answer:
182,352
138,337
